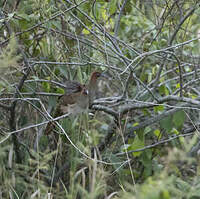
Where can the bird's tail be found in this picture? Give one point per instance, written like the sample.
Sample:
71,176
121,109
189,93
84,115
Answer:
51,125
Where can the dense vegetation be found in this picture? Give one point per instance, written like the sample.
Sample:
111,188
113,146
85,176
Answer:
140,140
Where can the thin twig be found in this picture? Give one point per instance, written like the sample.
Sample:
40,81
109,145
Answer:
156,144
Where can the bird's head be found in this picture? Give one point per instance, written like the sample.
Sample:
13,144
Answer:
97,75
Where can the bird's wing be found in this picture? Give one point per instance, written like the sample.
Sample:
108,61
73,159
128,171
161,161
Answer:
69,98
70,102
66,102
72,87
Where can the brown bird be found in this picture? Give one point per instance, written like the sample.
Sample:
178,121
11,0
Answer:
73,103
78,98
93,86
71,86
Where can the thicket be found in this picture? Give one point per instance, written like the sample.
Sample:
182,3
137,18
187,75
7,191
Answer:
140,140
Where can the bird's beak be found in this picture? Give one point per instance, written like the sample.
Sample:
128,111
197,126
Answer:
85,92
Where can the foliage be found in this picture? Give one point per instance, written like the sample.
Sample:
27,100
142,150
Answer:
141,140
8,57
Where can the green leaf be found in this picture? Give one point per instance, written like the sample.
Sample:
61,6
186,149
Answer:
157,133
113,7
179,118
166,123
140,134
147,130
178,85
146,112
60,90
159,108
137,144
175,131
165,194
163,90
46,86
181,140
135,124
85,31
146,159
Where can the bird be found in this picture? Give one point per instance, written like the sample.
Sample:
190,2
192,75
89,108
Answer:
93,86
71,103
78,98
72,86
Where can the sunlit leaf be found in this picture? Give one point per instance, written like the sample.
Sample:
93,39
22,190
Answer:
85,31
137,144
175,131
159,108
157,133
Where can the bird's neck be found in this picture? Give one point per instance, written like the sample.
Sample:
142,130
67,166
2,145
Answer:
92,84
93,89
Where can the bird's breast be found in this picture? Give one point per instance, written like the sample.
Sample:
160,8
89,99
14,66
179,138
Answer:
72,109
